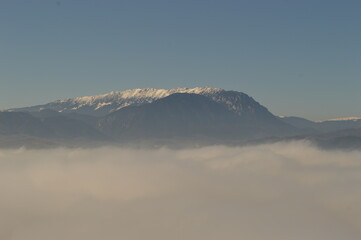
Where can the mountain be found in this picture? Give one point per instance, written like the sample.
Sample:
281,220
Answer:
187,115
101,105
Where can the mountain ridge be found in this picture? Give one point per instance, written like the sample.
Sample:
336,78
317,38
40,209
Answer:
103,104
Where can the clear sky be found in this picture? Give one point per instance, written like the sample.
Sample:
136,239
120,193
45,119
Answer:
295,57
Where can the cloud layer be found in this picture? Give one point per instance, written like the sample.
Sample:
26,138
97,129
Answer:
274,192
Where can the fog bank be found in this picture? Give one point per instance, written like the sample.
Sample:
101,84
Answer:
280,191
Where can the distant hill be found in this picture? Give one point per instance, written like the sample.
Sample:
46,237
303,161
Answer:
322,126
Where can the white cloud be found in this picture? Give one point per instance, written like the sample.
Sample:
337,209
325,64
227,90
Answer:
279,191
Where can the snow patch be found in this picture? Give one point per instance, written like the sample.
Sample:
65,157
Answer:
342,119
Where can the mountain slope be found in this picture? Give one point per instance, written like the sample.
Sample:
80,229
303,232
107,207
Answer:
185,115
22,123
49,127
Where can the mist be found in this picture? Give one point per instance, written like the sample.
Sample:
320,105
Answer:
276,192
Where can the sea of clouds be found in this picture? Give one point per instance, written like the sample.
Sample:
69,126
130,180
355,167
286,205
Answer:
279,191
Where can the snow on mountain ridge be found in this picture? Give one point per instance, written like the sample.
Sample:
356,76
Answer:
100,105
144,93
128,97
342,119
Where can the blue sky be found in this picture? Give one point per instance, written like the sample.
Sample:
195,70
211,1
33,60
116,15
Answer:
295,57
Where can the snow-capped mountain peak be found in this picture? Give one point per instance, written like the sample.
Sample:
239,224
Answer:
139,93
100,105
